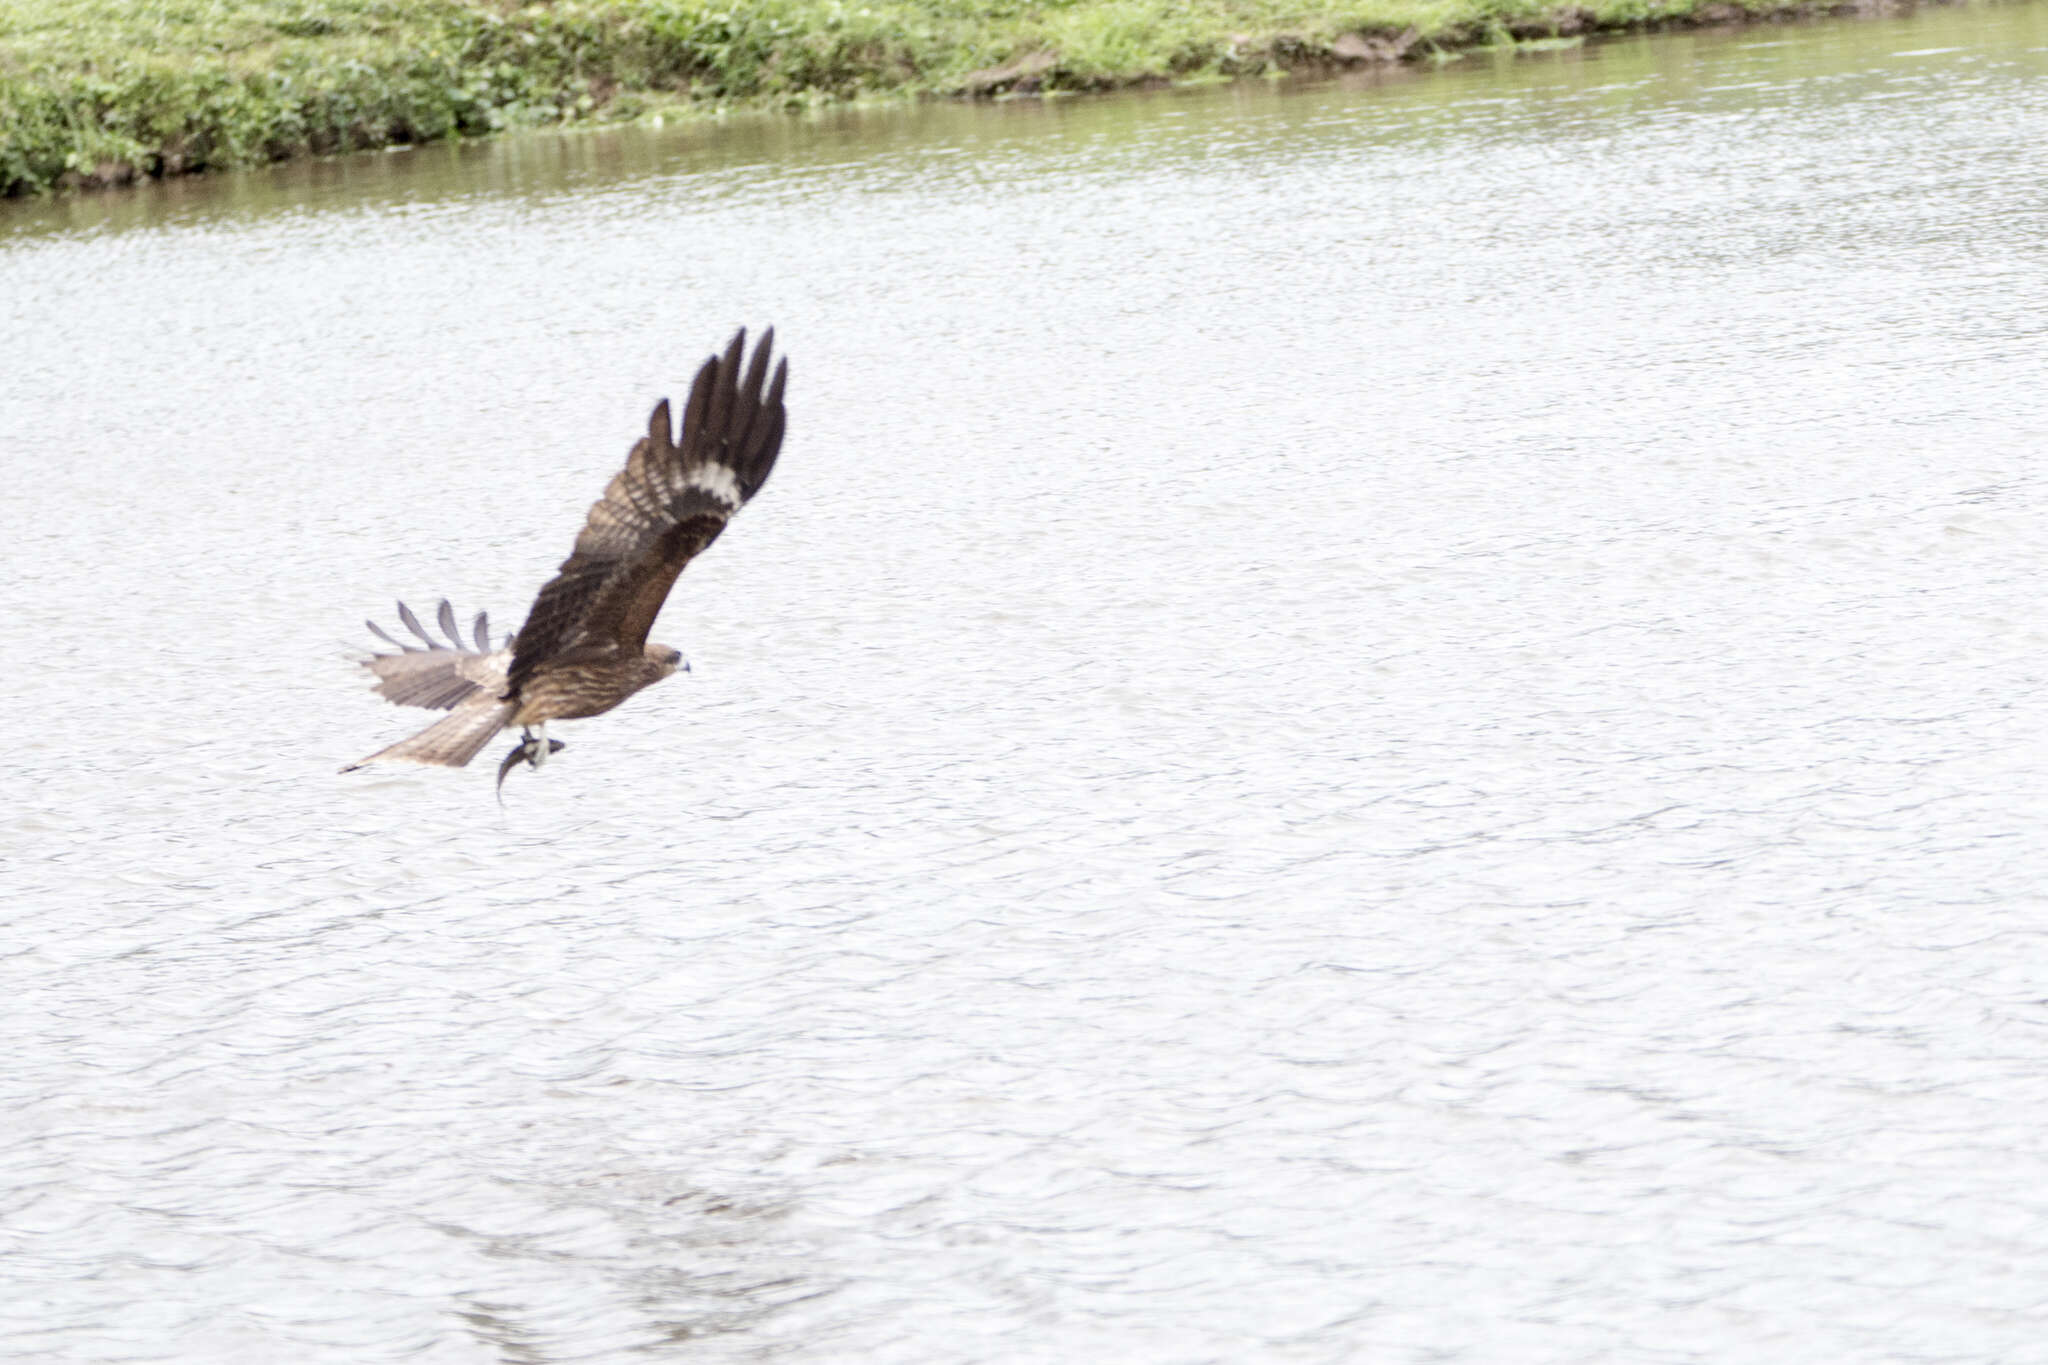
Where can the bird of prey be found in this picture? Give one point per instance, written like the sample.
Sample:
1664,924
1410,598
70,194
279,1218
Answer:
584,646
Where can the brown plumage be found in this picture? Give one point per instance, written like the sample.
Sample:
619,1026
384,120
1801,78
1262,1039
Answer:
584,647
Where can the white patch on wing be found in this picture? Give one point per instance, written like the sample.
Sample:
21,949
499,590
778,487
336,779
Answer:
719,481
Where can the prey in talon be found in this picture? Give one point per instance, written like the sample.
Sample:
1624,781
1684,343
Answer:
584,646
534,750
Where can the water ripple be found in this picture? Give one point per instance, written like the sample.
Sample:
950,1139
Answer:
1390,722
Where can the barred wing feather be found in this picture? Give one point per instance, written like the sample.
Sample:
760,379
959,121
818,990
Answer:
435,674
670,501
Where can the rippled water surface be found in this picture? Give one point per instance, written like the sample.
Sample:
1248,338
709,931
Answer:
1392,722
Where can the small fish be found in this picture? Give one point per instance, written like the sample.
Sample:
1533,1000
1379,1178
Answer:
527,749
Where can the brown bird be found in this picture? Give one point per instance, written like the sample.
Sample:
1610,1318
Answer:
584,647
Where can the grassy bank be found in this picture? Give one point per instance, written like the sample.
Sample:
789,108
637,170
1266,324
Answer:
101,91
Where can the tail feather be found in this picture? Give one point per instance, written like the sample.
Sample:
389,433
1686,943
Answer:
451,741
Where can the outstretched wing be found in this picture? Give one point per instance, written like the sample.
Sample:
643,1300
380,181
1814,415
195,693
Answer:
437,675
670,501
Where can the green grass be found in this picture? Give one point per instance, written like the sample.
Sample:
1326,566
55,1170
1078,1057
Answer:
102,91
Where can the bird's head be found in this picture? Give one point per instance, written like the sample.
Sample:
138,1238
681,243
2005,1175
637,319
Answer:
667,660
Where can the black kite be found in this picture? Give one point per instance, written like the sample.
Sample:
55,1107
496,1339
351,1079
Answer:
584,648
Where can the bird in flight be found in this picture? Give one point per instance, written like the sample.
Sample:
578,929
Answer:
584,646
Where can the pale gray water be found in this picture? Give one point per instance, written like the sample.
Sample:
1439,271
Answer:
1394,723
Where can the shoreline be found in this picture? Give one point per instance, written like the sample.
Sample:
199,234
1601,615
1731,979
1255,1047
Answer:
107,101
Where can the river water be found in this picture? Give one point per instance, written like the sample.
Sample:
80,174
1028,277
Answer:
1393,721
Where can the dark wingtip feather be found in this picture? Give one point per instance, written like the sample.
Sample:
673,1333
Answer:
378,631
725,385
765,442
660,434
412,623
697,408
480,631
750,391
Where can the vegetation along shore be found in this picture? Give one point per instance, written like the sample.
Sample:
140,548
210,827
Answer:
99,92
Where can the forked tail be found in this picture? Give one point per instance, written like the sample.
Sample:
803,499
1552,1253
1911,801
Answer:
451,741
